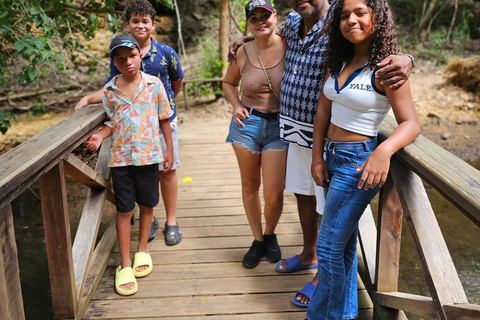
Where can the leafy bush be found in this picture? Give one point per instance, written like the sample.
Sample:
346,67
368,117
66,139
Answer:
5,121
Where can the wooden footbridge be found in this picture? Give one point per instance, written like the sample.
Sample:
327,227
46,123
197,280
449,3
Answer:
202,277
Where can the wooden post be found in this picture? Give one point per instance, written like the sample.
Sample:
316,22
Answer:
11,300
58,241
390,215
440,273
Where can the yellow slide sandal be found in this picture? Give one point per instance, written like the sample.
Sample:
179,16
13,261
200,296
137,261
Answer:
142,259
122,277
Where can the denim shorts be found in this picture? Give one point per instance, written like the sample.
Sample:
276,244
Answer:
176,159
258,135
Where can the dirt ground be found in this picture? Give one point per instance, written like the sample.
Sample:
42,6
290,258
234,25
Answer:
449,115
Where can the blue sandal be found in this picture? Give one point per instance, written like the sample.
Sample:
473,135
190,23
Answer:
307,291
294,264
153,229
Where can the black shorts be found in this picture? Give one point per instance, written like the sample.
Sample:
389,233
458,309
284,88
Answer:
135,184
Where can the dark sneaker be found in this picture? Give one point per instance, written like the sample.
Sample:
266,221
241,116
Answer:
273,250
252,258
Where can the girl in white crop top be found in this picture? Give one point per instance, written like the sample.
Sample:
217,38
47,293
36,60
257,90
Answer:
351,107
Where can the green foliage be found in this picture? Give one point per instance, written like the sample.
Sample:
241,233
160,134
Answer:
38,108
39,31
5,121
211,67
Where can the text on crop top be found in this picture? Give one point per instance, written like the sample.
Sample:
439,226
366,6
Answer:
358,106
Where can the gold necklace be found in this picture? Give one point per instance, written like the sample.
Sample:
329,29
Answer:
270,86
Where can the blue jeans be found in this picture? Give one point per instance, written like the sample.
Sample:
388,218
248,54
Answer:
337,237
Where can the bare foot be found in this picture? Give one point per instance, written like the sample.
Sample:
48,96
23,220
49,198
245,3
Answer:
304,299
304,260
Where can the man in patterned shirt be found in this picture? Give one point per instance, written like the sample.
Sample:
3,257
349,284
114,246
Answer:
300,91
161,61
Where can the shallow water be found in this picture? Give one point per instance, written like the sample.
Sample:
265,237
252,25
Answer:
461,235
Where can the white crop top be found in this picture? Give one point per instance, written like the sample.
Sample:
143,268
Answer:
358,106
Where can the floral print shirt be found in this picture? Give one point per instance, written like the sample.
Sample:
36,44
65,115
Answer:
135,124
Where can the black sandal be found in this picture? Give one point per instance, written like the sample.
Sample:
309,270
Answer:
153,229
173,235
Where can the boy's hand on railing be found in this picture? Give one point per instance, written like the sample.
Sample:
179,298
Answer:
82,103
94,142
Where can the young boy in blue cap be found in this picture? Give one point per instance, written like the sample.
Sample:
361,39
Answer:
135,104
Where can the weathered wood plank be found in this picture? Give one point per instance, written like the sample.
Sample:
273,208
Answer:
441,275
367,234
98,265
208,256
10,289
91,216
416,304
213,270
191,306
462,311
452,177
218,243
149,288
390,224
81,172
58,242
24,164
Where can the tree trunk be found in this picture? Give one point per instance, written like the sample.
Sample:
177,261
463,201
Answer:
447,39
223,33
426,18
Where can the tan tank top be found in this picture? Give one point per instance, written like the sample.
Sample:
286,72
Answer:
255,91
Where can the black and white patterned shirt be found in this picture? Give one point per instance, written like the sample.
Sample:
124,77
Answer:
302,80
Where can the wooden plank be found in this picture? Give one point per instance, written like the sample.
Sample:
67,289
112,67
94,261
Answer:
208,256
191,306
81,172
212,271
452,177
24,164
390,224
10,289
416,304
184,213
149,289
99,263
462,311
91,216
58,242
440,273
239,230
368,237
218,243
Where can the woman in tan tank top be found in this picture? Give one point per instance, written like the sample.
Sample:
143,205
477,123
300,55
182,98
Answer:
254,129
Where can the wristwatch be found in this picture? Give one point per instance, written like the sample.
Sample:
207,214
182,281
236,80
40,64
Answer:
411,58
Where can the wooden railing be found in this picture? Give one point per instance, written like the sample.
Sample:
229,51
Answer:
404,194
76,268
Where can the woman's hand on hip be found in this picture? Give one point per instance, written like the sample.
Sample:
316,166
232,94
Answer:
239,114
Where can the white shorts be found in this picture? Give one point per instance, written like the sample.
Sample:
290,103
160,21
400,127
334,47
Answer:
176,159
299,175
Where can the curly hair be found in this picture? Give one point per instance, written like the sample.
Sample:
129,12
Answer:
140,7
384,41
